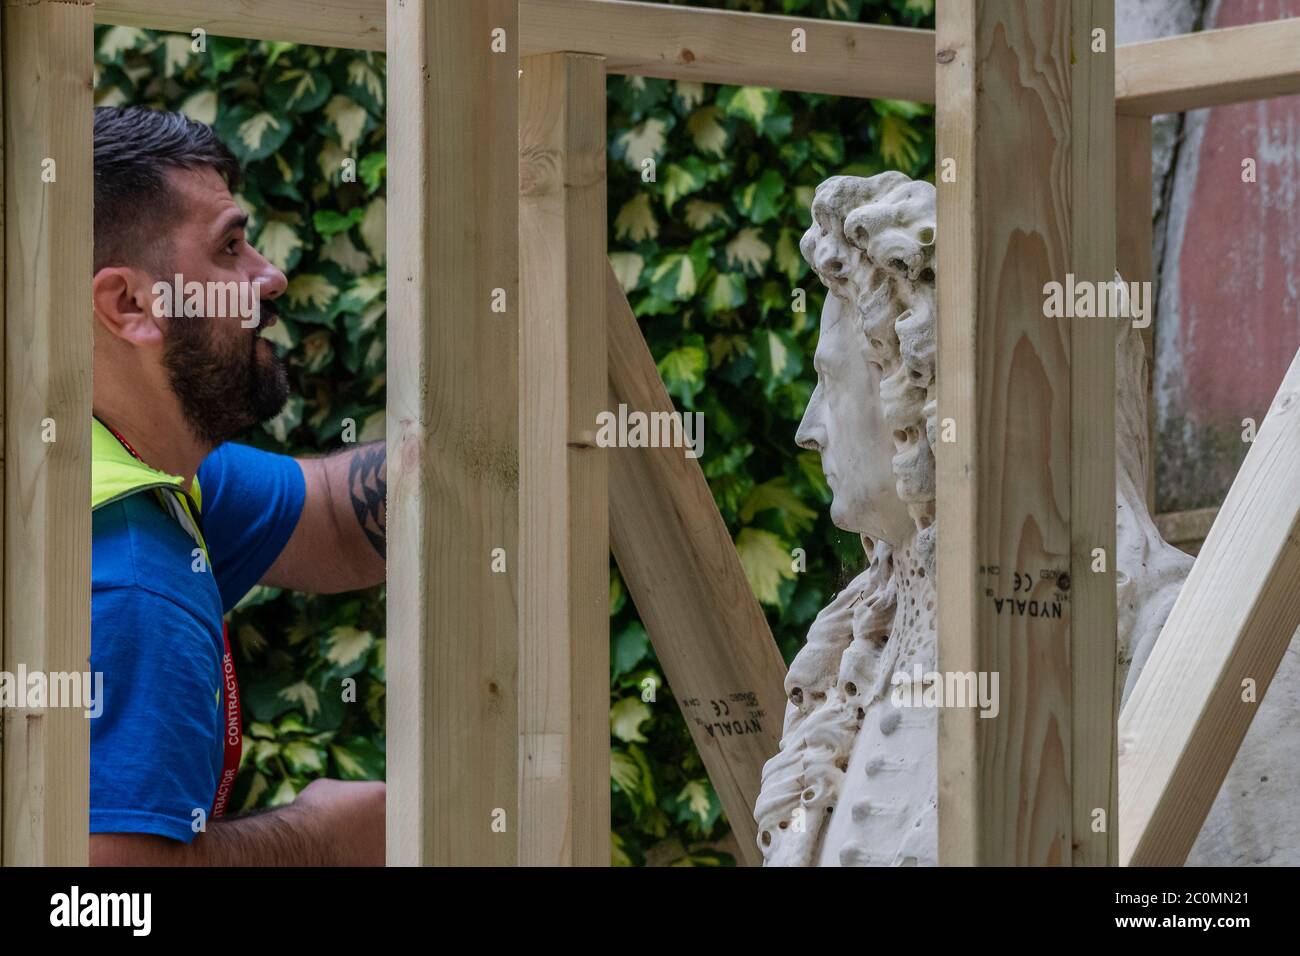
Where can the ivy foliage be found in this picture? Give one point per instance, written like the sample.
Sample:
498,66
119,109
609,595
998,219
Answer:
709,190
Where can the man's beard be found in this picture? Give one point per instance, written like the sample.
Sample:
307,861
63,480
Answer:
223,389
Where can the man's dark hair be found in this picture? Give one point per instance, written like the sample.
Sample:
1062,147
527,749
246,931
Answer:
135,206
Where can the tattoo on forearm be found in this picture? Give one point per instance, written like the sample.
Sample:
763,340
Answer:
368,488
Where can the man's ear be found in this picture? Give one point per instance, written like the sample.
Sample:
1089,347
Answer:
125,303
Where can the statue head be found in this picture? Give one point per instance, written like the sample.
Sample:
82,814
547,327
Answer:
871,415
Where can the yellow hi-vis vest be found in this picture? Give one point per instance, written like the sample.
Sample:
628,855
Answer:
115,474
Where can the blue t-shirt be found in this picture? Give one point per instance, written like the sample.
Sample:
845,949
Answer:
156,748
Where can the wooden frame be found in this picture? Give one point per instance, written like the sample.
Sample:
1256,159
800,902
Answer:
457,389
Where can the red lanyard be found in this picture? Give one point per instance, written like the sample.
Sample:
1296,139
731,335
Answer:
232,732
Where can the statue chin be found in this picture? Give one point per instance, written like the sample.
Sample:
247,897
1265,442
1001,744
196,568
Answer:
855,779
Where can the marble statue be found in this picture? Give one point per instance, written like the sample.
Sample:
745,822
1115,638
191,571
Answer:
854,782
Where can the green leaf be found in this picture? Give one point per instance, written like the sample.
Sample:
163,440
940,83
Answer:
708,134
373,169
358,759
752,103
627,268
748,251
682,179
766,562
762,199
636,220
726,291
642,142
630,647
779,358
778,495
898,141
329,221
253,134
626,718
682,370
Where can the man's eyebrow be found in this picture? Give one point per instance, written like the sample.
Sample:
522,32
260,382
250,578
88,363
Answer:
235,221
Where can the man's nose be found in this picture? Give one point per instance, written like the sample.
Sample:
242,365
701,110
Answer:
271,280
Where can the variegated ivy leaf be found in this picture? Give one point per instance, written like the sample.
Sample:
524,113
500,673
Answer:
117,38
752,103
689,94
303,758
177,49
349,120
709,135
283,795
766,561
779,359
749,251
626,718
763,198
682,179
346,648
358,759
636,220
701,214
726,291
683,369
290,417
253,134
627,268
366,84
348,257
645,141
788,258
898,141
695,799
297,90
778,495
675,277
374,229
309,295
317,351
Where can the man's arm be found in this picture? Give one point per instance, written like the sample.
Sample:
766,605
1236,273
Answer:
340,539
332,823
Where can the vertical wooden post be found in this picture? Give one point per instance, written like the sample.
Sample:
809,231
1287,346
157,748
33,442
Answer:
564,797
1027,490
47,357
1134,240
453,431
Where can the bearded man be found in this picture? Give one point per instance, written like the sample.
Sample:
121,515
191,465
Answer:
185,522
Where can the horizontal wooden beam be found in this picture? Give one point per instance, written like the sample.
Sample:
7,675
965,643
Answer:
1210,68
744,49
1186,529
863,60
351,24
1233,620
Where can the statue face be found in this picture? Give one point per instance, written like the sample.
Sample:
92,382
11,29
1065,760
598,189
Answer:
845,424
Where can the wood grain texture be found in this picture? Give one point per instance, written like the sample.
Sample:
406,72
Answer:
564,790
724,46
1134,242
1027,490
47,65
684,575
1187,530
453,433
644,39
1210,68
351,24
1094,618
1232,622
